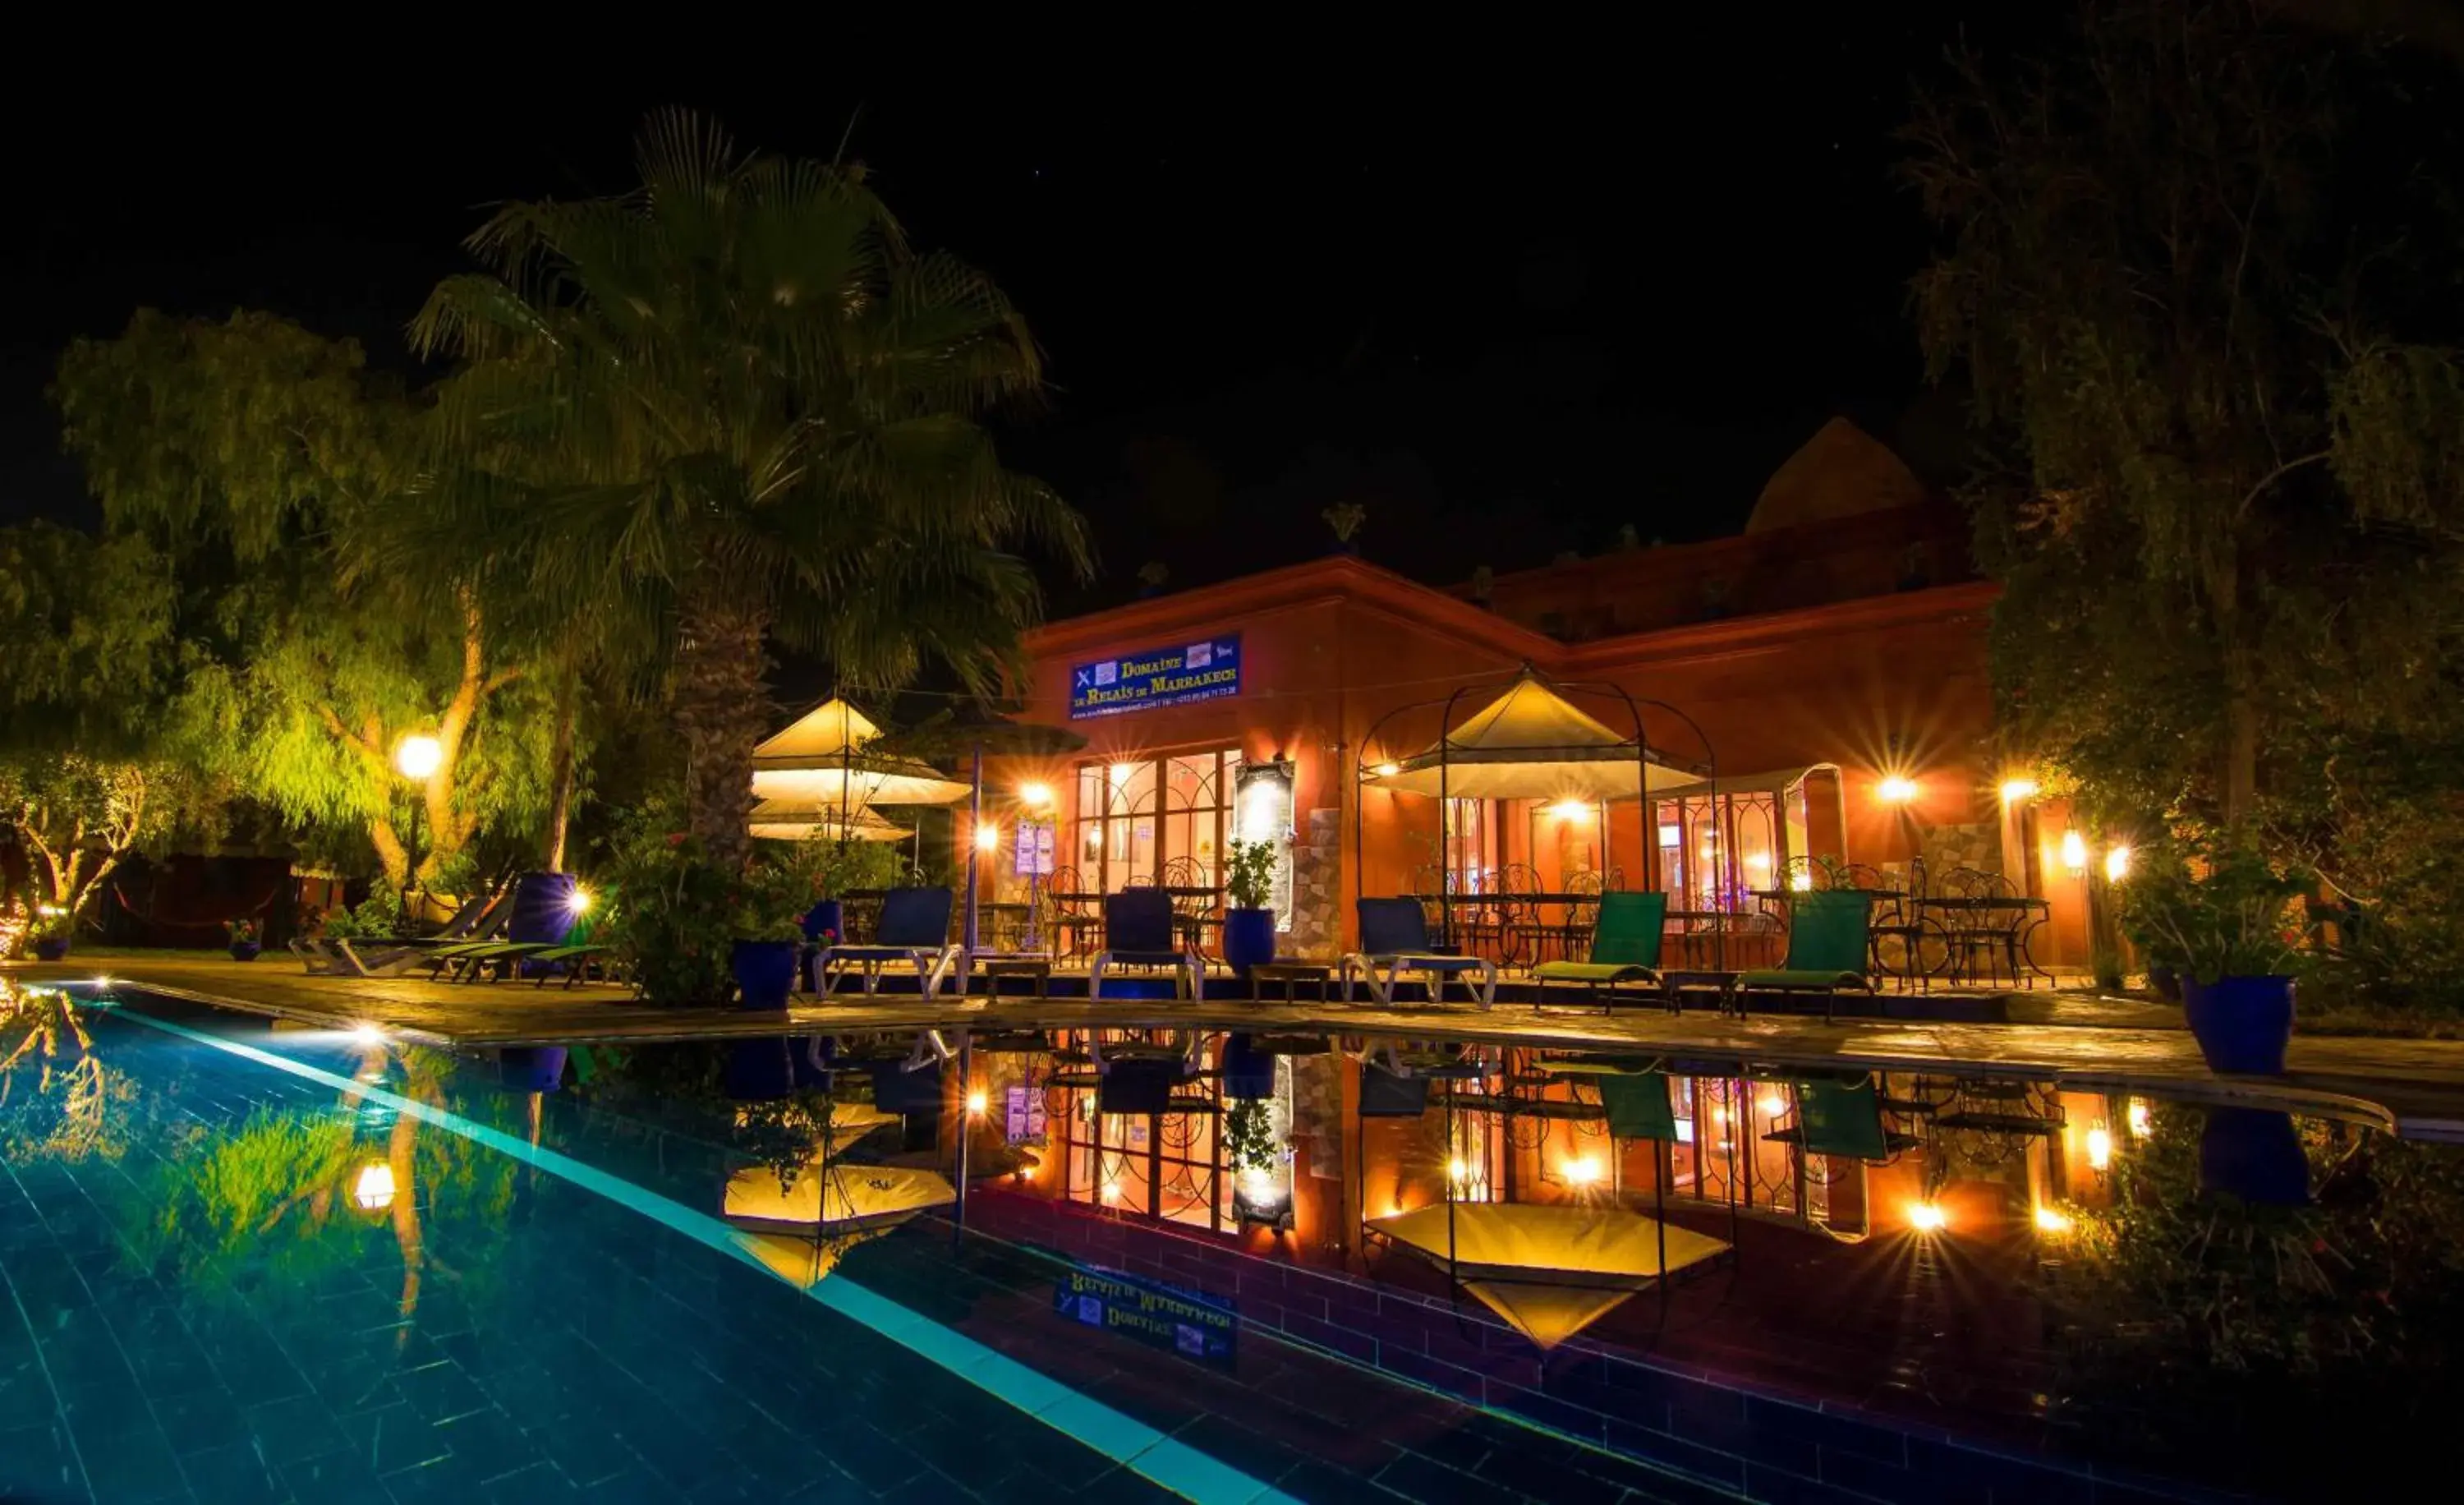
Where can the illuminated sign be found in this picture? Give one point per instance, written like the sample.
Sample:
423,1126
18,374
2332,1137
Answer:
1208,669
1191,1323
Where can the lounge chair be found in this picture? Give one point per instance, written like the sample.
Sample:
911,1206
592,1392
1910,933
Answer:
1140,930
1625,949
1843,1116
915,928
1395,936
1827,934
573,962
384,960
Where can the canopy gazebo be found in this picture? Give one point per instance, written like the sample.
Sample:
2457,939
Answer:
1531,742
790,820
1550,1270
826,759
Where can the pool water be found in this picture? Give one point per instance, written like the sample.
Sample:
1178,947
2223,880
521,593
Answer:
240,1265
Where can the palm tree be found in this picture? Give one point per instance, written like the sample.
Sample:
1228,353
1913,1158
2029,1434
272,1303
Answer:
735,404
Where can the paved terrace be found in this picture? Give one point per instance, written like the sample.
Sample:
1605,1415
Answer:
2414,1086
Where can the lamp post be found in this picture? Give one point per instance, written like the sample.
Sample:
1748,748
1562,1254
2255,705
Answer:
416,758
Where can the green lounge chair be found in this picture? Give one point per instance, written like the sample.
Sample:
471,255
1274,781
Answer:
1625,949
1827,936
1842,1117
470,963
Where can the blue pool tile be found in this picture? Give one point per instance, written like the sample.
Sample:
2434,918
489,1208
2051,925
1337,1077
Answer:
335,1478
294,1428
200,1419
234,1472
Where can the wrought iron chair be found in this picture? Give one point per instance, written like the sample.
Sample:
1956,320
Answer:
1194,913
1067,917
1519,922
1982,931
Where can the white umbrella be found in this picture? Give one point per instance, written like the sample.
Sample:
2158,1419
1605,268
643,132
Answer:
822,760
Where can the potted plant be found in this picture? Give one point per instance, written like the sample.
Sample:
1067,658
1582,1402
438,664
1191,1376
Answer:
245,942
1249,925
50,932
2229,931
767,907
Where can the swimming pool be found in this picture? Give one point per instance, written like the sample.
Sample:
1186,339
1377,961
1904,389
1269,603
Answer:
237,1264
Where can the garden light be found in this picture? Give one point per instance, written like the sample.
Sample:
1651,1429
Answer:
2075,852
373,1190
2051,1219
418,757
2135,1114
577,901
2117,864
1896,788
989,838
2099,1147
1927,1217
2013,790
1035,796
1584,1172
1458,1171
977,1103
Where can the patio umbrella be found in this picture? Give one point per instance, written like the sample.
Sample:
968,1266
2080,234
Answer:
787,820
975,729
829,757
1550,1271
1533,744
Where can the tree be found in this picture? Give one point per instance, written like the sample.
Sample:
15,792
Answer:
251,454
2198,272
731,406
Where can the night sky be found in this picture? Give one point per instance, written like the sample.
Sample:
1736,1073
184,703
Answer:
1511,304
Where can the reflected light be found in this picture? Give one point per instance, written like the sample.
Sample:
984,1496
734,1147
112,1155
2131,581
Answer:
418,757
1111,1190
2135,1114
1927,1217
1801,882
2099,1148
1035,796
1584,1172
2117,864
1458,1171
989,838
367,1034
2051,1219
1896,788
1773,1105
373,1190
1124,772
1571,810
2075,852
1387,770
977,1103
2013,790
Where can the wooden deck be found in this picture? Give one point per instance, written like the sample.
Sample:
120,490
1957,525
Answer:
2416,1087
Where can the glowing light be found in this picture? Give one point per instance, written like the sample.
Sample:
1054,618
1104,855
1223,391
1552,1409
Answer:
1927,1217
1896,788
50,911
2117,864
1719,1115
989,838
2051,1219
1801,882
1773,1105
1458,1171
418,757
2135,1114
2099,1147
1571,810
1387,770
1670,835
1257,1185
2013,790
1758,861
2075,852
978,1102
578,901
1035,796
373,1190
1124,772
1584,1172
367,1034
1111,1191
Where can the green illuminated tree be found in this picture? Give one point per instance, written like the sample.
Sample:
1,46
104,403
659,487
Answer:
251,454
731,406
2198,274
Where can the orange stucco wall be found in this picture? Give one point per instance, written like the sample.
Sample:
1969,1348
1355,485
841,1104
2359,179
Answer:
1883,685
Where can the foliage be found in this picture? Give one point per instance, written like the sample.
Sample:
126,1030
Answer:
58,1099
2183,1316
676,915
2224,911
1250,1135
78,818
239,465
2196,278
1249,873
378,916
731,403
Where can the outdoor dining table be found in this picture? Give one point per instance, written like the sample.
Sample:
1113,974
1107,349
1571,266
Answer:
1192,927
1562,931
2028,911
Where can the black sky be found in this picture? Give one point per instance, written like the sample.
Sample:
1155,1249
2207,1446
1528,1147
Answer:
1510,304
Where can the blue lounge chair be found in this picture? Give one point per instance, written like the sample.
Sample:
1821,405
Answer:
915,928
1395,942
1141,931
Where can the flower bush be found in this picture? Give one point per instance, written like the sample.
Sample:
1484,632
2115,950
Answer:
2217,909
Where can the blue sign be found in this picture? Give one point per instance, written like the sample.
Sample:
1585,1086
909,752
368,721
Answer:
1203,670
1190,1323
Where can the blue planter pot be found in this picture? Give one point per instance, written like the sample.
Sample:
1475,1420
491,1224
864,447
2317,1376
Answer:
2254,1154
762,1070
825,918
1248,939
531,1068
765,971
244,950
1248,1073
2242,1024
50,948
